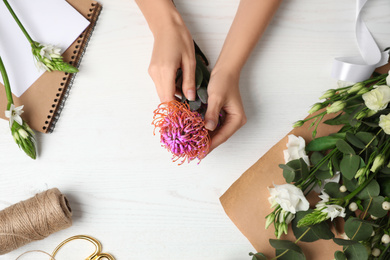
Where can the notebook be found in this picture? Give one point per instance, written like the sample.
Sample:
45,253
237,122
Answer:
44,100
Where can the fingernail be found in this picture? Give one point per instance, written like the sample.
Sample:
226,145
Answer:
210,125
191,95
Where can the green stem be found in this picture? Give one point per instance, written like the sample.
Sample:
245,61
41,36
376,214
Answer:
372,140
6,84
18,22
296,241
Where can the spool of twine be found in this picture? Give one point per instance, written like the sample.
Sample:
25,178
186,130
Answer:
33,219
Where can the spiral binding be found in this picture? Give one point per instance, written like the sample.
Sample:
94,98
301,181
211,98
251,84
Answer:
67,83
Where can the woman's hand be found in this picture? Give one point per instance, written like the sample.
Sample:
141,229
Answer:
224,94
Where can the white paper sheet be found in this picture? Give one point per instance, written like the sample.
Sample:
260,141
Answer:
48,22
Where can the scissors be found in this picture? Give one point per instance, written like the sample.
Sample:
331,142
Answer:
97,255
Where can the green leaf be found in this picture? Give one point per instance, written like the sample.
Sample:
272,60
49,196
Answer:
338,255
349,165
333,190
195,105
322,144
356,230
203,67
354,140
294,170
198,77
340,119
356,252
335,163
343,242
202,94
309,236
385,170
344,147
323,175
285,244
258,256
366,138
316,157
350,184
289,255
371,190
375,208
384,184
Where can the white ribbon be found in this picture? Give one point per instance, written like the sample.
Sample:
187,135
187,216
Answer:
360,68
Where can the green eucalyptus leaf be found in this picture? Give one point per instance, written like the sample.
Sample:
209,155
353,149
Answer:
344,242
351,185
258,256
344,147
370,191
357,230
385,170
202,94
367,137
285,244
309,236
352,139
384,184
375,206
340,119
304,169
368,222
322,144
195,105
316,157
349,165
356,252
335,163
203,67
323,175
333,190
289,255
338,255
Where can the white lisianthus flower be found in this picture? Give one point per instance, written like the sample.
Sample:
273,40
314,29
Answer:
289,197
332,210
14,114
378,98
295,149
384,123
50,51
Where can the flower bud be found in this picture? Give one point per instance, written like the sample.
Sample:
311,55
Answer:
23,133
360,172
371,113
343,188
373,217
378,162
355,88
353,206
361,115
336,107
376,252
386,205
329,93
385,239
315,108
298,123
270,219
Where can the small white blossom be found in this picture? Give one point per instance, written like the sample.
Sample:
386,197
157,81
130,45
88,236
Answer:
40,65
332,210
384,123
295,149
289,197
14,114
50,51
385,239
378,98
386,205
376,252
353,206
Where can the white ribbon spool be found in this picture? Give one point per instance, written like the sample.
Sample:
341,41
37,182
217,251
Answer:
360,68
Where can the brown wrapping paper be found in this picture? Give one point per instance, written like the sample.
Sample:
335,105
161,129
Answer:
42,101
246,201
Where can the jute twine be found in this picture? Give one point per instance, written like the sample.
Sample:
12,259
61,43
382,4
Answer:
33,219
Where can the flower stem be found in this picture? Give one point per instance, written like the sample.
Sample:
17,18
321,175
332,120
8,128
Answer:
372,140
6,84
18,22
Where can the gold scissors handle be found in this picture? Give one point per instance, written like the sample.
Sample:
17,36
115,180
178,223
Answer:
97,255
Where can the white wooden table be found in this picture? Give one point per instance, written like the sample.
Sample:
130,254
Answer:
122,186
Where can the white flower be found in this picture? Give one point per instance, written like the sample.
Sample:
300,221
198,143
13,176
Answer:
295,149
14,114
289,197
40,65
49,51
388,79
378,98
376,252
343,188
353,206
335,178
332,210
384,123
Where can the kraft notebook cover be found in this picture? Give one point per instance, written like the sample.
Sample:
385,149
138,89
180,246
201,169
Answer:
44,100
246,201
